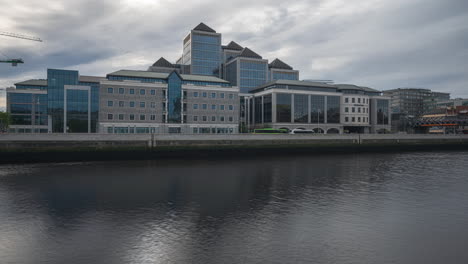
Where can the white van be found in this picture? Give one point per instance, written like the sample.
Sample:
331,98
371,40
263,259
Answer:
301,131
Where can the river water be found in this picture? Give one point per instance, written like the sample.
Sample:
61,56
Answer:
353,208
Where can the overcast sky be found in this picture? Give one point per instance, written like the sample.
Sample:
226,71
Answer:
382,44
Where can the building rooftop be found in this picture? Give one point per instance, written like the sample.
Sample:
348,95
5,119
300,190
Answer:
355,87
248,53
33,82
162,62
91,79
159,75
203,27
295,83
233,46
279,64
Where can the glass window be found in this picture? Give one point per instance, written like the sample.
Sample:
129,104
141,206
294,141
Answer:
204,106
213,118
121,90
283,108
142,117
221,118
121,103
121,116
142,91
195,106
231,96
359,119
346,109
204,94
110,90
195,94
132,104
353,119
213,107
353,100
353,109
195,118
346,119
153,105
267,108
142,104
132,91
359,100
152,117
231,107
213,95
164,93
204,118
132,117
317,109
333,109
346,100
110,116
359,109
221,107
110,103
221,95
301,108
230,119
153,92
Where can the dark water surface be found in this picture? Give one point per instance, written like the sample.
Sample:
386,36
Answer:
367,208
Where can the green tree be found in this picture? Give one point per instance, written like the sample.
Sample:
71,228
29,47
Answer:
5,121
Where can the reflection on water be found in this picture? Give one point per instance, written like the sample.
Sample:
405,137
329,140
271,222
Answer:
369,208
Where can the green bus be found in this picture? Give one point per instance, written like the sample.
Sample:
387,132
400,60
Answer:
270,131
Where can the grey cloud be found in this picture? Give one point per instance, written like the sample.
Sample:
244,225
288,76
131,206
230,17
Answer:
378,43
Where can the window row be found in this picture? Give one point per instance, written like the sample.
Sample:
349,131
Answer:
212,95
359,100
213,107
132,104
359,119
141,117
212,119
365,110
111,90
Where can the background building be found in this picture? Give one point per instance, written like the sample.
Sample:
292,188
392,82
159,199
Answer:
409,104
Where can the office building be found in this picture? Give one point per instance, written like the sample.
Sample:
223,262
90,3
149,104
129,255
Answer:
153,102
409,104
321,107
64,102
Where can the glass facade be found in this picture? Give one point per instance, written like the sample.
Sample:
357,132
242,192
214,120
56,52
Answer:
252,74
283,108
131,78
382,112
258,109
317,109
77,111
231,73
285,75
28,108
301,108
333,109
267,108
56,80
206,54
174,99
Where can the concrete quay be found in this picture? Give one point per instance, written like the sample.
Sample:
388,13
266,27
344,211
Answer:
80,147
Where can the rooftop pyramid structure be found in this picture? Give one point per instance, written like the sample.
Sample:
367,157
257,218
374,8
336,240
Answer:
233,46
248,53
279,64
162,62
203,27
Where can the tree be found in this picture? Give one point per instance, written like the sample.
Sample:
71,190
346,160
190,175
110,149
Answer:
5,121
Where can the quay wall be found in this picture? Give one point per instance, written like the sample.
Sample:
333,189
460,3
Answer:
79,147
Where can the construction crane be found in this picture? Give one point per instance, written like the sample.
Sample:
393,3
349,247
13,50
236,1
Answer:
15,62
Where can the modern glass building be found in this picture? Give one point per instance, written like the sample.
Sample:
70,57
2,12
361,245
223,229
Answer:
202,51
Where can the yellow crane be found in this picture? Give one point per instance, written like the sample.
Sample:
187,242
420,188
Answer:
15,62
